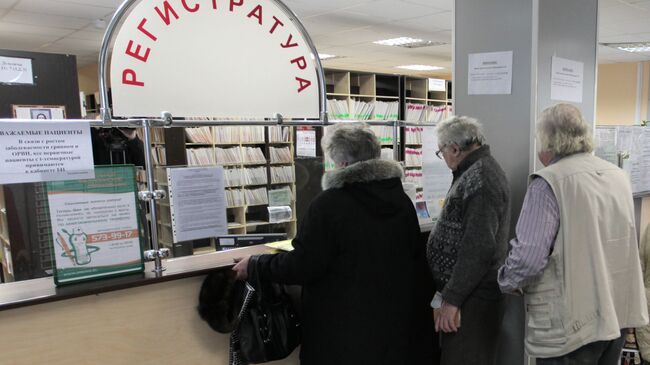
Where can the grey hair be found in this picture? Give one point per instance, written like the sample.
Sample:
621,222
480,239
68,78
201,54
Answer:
562,130
461,131
351,143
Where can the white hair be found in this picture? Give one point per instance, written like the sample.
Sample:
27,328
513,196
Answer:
351,143
562,130
461,131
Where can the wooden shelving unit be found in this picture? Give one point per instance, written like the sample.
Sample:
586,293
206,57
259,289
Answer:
245,216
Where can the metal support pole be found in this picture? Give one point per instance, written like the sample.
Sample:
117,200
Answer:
395,140
151,195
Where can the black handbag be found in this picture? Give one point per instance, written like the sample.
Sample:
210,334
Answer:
269,328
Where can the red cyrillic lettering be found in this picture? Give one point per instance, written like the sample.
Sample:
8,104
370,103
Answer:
136,54
277,22
129,78
168,9
214,4
289,44
191,10
234,3
300,62
303,84
256,12
146,32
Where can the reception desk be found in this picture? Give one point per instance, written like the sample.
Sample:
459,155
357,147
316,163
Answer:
136,319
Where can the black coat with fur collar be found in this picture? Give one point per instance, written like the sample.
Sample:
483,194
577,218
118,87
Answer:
358,255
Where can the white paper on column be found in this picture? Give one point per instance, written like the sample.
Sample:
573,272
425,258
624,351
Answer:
436,176
567,78
489,73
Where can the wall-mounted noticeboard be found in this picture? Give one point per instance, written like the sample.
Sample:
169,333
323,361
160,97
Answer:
630,141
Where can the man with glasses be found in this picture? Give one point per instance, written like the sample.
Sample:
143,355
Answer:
467,245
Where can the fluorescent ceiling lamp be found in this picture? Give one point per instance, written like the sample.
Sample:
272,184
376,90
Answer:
420,67
630,46
324,56
408,42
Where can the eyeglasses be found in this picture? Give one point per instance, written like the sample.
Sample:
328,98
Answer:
439,152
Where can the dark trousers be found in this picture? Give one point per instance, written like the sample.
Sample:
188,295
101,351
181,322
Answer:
595,353
475,343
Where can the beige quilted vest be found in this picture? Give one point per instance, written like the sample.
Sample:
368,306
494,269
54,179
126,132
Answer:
592,286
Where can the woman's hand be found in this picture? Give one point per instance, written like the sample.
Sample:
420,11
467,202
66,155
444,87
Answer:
241,268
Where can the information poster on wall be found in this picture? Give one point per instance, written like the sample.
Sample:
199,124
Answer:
489,73
45,151
15,70
567,78
305,142
436,176
95,225
197,201
605,139
634,142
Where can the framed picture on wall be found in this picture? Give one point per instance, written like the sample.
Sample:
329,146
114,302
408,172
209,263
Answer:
39,111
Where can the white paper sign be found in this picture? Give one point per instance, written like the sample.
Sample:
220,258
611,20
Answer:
198,202
489,73
214,59
567,79
305,142
436,176
437,85
605,138
16,70
45,151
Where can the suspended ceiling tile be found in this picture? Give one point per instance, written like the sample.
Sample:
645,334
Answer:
23,41
103,3
621,13
7,4
78,44
431,22
438,4
46,20
391,10
51,7
33,29
87,35
309,8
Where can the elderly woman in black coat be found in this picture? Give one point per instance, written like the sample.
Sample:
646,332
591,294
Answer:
358,255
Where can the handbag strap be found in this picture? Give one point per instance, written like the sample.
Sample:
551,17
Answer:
234,356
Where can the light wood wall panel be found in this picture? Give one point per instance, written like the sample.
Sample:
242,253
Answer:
154,324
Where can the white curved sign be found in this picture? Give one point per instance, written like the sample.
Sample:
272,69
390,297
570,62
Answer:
214,58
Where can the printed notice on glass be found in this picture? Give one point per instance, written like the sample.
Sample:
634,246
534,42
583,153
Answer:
95,230
45,151
197,201
489,73
305,142
436,176
16,70
567,79
605,139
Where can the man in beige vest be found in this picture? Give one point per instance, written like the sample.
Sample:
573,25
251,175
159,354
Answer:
575,257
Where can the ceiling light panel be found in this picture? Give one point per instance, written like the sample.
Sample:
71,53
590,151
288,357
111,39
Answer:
420,67
407,42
